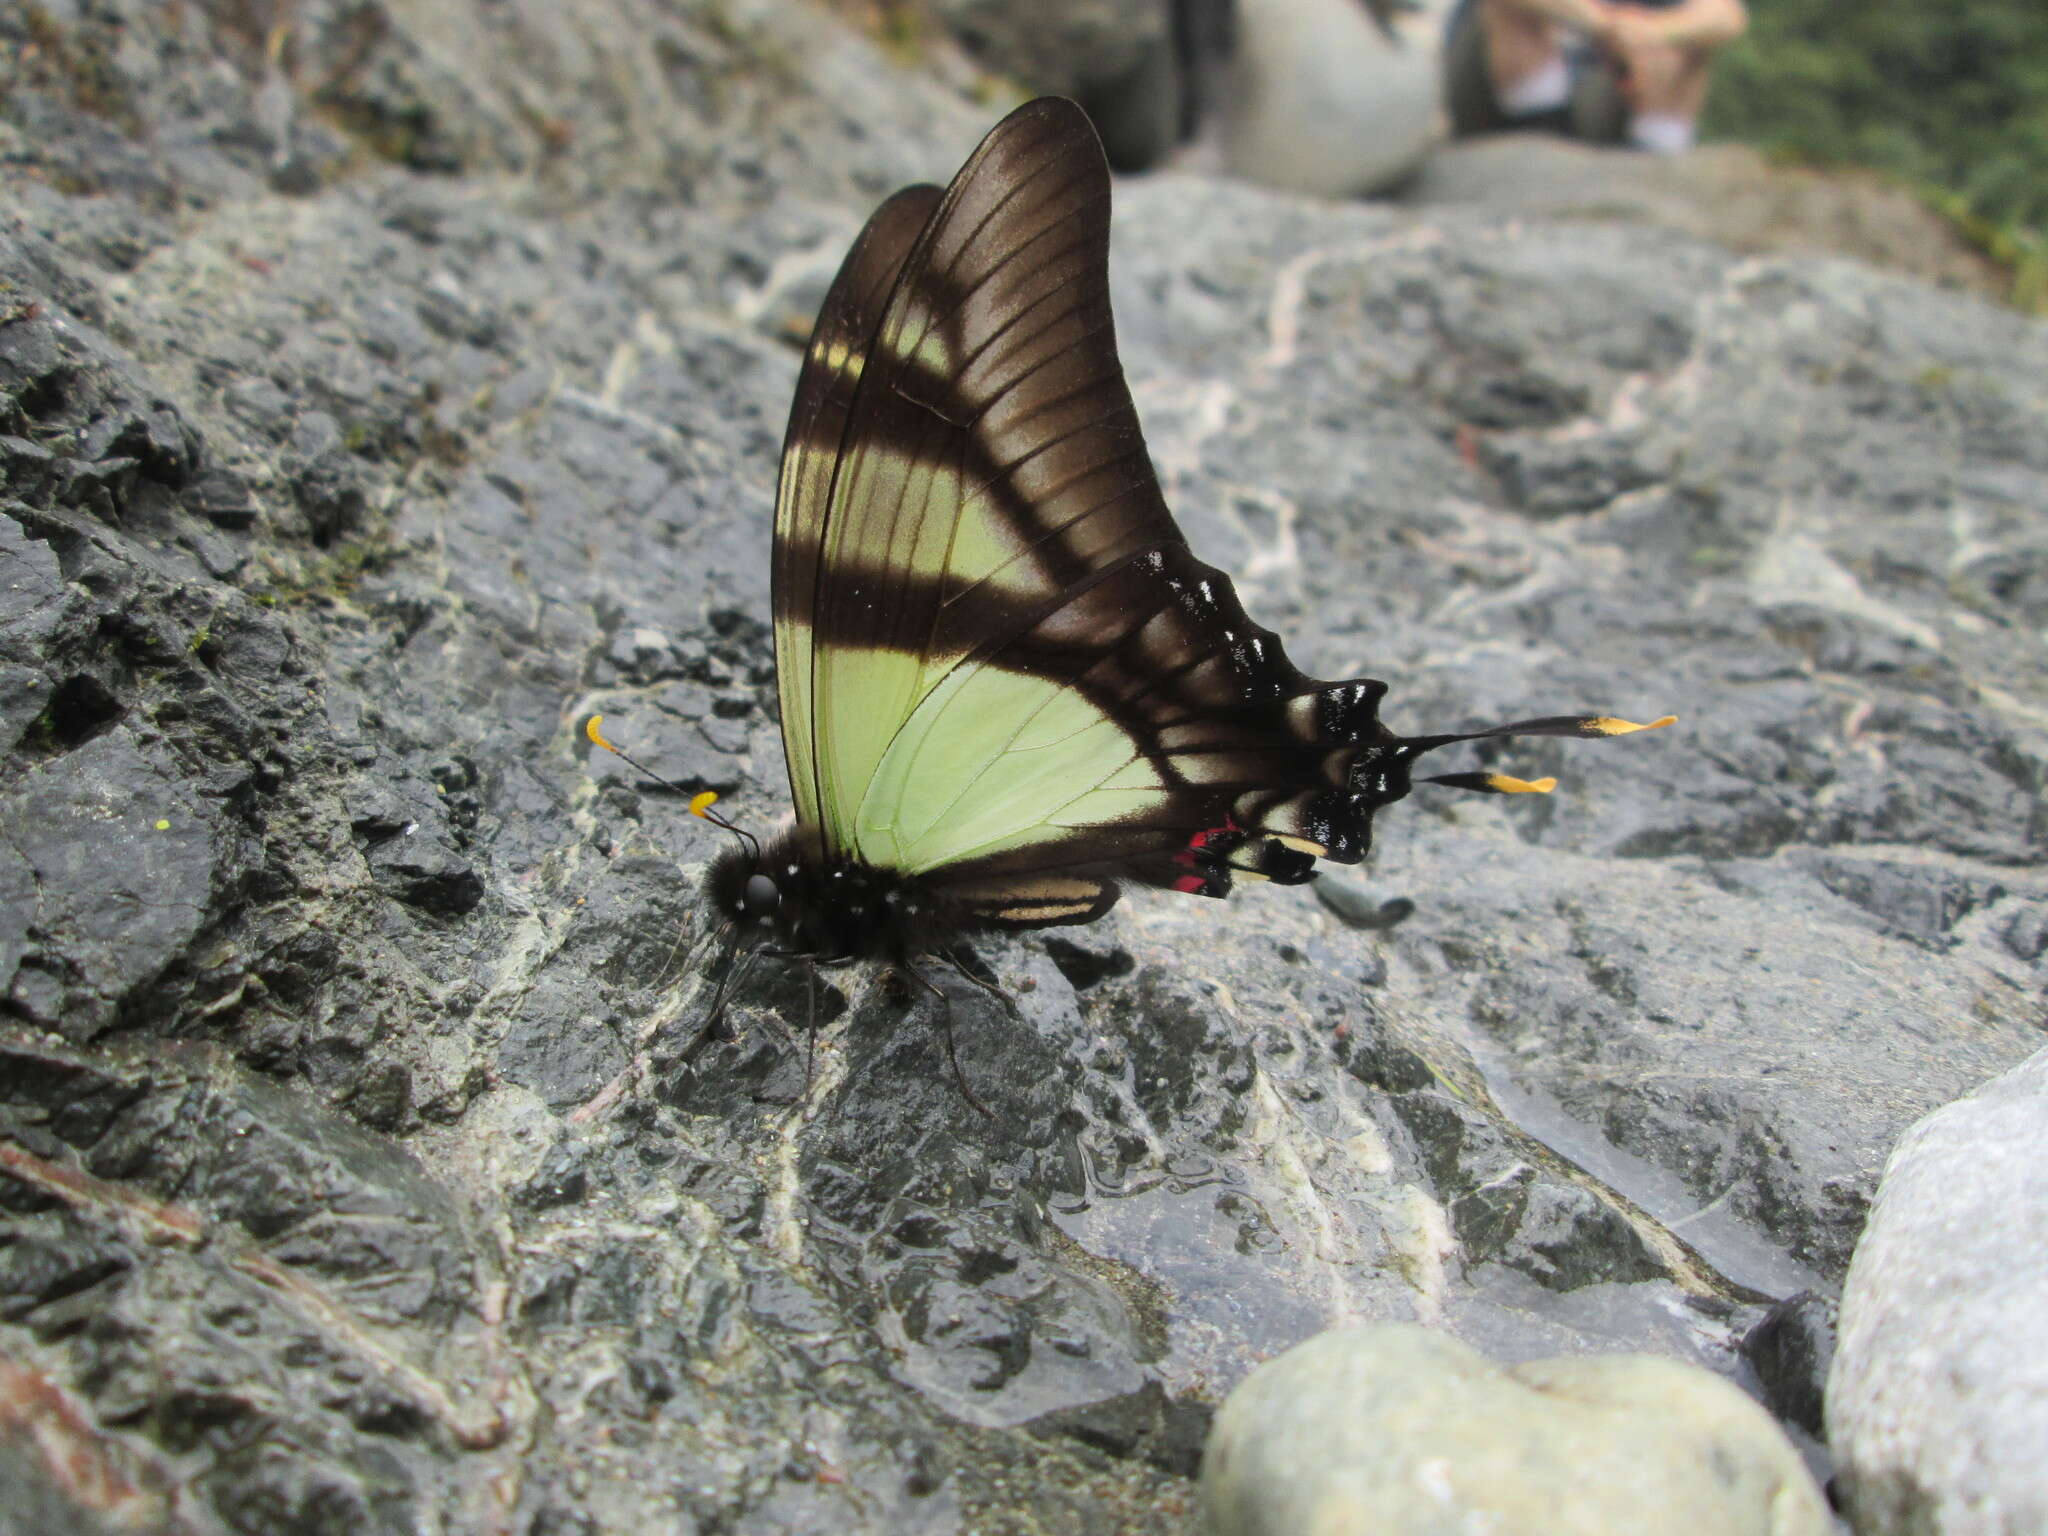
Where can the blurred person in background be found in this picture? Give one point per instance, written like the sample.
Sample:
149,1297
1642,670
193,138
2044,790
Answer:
1600,70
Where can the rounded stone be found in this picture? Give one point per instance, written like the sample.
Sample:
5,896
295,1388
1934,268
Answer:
1937,1405
1397,1431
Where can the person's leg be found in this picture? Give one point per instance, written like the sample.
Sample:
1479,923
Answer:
1525,60
1666,89
1599,111
1467,81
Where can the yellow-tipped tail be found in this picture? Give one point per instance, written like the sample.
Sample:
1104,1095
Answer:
1608,725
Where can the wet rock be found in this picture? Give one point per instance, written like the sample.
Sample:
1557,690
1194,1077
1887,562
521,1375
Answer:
152,436
271,1268
426,873
1145,1423
409,845
122,856
1552,479
1937,1403
1394,1429
559,1047
33,363
31,611
223,498
1084,965
1921,903
2026,931
61,1473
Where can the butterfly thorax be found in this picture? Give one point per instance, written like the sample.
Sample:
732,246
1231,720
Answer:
795,898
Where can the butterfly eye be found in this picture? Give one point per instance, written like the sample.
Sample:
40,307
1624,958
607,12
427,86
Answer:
762,896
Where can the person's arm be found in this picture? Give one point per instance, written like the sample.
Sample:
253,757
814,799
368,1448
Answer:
1694,24
1593,16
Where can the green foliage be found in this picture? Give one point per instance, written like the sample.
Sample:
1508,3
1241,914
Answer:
1951,95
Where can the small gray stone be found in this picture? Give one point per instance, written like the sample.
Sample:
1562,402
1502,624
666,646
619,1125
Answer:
1350,901
1938,1401
1393,1429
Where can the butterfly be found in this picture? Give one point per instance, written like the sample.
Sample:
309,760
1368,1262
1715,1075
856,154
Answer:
1008,688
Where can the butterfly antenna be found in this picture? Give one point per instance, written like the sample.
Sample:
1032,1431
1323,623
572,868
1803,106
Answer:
700,803
1592,727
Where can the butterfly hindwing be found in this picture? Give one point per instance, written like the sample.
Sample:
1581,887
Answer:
1145,729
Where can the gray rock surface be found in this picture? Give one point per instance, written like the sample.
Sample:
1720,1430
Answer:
1396,1431
1938,1401
1728,193
380,398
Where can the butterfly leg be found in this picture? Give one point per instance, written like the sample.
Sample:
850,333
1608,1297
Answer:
952,1055
1009,1003
734,978
810,1031
735,975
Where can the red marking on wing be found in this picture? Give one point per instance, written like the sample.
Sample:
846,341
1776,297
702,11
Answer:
1207,835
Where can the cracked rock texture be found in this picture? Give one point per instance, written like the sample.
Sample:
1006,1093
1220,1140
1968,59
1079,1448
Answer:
381,396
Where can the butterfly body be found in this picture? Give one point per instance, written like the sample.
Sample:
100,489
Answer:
1009,689
790,896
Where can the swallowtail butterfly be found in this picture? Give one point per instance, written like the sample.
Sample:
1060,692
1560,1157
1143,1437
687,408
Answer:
1008,686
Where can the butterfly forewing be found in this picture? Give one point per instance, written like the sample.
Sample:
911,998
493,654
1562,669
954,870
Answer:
992,456
812,450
